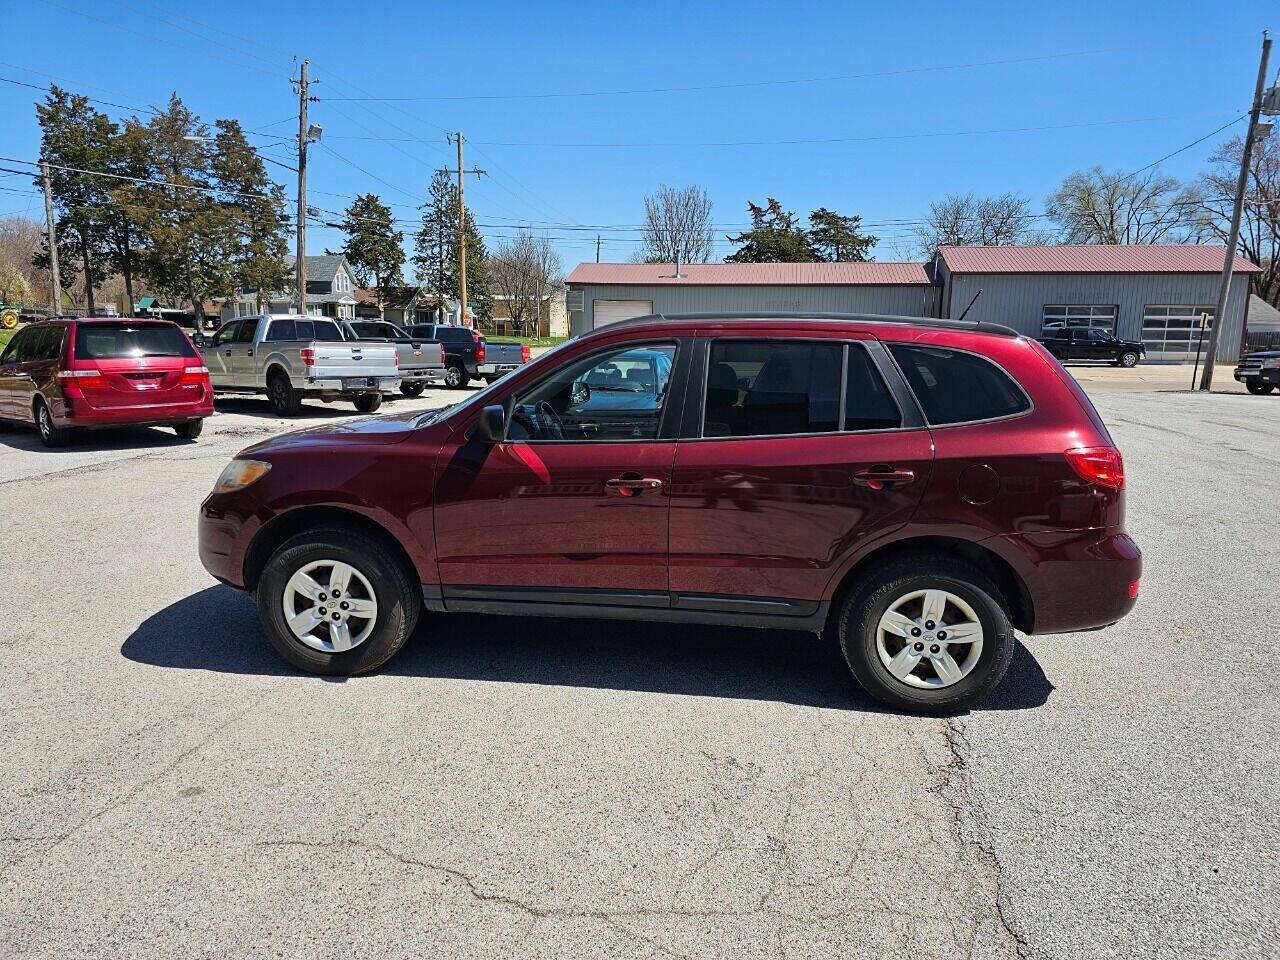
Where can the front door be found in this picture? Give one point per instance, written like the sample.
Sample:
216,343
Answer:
217,354
573,507
785,481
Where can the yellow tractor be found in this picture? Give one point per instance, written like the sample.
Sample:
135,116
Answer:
8,318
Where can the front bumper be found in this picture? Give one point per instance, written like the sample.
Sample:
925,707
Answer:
1262,375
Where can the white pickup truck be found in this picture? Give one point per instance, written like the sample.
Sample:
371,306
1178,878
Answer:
289,357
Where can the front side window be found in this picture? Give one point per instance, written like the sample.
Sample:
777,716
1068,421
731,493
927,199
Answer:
770,388
226,333
957,387
618,395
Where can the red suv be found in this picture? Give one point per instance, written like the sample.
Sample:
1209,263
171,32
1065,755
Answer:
916,489
66,373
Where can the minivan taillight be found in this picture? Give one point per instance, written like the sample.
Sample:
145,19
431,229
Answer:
194,377
525,353
479,350
1101,465
308,355
85,379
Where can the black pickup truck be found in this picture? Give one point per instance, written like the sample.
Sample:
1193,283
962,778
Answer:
1092,343
1259,371
467,355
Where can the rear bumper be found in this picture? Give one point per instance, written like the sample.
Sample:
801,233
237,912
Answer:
78,413
1079,580
426,374
495,369
342,387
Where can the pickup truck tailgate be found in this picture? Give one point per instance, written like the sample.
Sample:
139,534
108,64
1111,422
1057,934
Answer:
354,359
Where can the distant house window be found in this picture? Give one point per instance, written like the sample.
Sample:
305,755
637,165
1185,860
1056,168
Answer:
1060,316
1173,332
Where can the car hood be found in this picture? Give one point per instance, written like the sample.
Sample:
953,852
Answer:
363,430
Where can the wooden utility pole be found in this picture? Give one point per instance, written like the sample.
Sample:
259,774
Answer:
1220,312
53,240
462,231
597,248
300,272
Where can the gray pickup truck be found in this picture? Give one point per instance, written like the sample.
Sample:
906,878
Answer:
290,357
468,356
421,361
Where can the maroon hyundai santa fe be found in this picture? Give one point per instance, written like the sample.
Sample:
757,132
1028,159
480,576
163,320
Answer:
914,489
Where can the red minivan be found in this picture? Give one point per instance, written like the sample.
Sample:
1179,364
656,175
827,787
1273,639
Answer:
914,489
67,373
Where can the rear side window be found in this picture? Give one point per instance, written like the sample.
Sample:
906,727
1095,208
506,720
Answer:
868,404
770,388
454,334
49,346
957,387
282,330
326,330
118,341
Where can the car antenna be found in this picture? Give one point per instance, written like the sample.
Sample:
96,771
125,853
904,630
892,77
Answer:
971,303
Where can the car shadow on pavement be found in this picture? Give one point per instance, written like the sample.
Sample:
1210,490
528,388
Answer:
95,441
217,629
260,407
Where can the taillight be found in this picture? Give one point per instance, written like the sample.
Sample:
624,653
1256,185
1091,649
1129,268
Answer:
525,353
308,355
194,377
88,379
1133,590
1100,465
479,350
396,359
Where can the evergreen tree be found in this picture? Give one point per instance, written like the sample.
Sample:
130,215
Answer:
774,237
262,222
374,248
130,157
435,250
75,135
834,237
479,279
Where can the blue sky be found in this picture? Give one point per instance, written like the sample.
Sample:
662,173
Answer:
1117,83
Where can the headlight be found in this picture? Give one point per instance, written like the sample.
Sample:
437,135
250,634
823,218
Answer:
239,474
1272,363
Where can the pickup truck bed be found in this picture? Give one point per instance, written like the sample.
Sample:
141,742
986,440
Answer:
468,356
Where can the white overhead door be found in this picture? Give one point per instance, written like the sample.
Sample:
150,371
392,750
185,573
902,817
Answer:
611,311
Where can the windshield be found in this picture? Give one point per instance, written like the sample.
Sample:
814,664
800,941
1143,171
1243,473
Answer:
111,341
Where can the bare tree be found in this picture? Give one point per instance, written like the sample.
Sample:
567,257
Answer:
678,225
961,220
526,272
1260,222
20,240
1099,206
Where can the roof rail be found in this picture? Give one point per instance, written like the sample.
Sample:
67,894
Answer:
976,326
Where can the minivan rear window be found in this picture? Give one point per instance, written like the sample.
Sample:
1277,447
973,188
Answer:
958,387
121,341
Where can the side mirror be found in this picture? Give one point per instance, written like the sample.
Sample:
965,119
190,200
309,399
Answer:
580,393
198,339
492,423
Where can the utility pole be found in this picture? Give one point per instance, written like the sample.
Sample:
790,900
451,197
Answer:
300,265
53,240
462,231
1220,312
597,248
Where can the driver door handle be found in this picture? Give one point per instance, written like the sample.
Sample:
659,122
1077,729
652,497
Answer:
630,486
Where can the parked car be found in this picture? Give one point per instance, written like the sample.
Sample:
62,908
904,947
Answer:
468,356
1092,343
421,361
290,357
914,489
1259,371
69,373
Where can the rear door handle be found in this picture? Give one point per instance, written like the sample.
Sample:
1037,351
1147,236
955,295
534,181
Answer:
630,486
879,479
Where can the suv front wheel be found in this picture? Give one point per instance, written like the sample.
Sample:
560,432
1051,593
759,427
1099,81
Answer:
928,634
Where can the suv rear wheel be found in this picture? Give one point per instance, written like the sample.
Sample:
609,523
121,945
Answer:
928,633
189,430
336,601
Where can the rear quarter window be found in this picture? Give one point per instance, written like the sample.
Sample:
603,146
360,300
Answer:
958,387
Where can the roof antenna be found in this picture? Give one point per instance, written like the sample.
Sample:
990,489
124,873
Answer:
970,307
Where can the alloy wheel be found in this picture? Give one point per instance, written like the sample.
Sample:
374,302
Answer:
929,639
330,606
45,422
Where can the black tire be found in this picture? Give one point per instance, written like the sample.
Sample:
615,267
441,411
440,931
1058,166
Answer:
1259,388
285,400
50,434
412,389
1129,359
395,588
858,619
367,402
189,430
455,376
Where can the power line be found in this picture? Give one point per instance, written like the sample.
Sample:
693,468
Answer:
742,85
1193,143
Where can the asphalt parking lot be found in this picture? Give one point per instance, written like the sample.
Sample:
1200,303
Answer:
516,789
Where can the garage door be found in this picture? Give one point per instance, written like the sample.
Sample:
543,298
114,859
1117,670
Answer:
611,311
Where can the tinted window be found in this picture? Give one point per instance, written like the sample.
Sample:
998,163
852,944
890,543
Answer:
111,341
248,329
618,395
956,387
326,330
423,332
454,334
282,330
20,346
769,388
49,346
868,405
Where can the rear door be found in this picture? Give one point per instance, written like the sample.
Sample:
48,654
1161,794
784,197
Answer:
40,369
243,364
217,355
797,453
141,364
